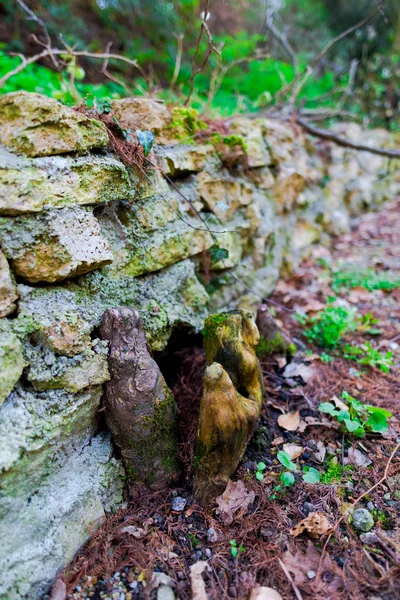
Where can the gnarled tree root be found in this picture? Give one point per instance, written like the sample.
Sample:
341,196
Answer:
231,401
139,408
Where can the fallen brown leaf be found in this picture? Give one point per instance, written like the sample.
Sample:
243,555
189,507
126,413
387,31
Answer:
265,593
340,405
197,581
289,421
138,532
319,454
293,450
299,370
357,458
234,498
300,563
315,524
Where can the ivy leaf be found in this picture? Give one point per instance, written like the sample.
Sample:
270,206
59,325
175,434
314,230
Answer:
352,424
146,140
287,478
217,253
259,476
261,466
284,459
376,409
378,422
327,407
312,476
102,106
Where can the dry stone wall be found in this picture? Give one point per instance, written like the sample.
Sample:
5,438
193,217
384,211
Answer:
80,233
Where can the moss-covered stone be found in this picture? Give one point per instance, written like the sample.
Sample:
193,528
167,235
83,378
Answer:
48,371
8,291
35,125
249,134
11,359
143,113
28,186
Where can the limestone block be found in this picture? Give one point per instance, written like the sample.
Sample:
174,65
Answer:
8,291
47,371
12,362
54,245
289,184
221,195
183,159
305,233
32,185
167,246
36,125
43,527
279,138
251,130
143,113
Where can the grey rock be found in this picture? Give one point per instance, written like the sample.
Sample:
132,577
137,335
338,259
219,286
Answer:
212,535
362,520
165,592
178,503
369,538
311,574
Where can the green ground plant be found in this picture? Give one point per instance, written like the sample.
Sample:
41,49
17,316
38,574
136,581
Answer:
369,279
358,419
367,355
330,325
235,549
287,479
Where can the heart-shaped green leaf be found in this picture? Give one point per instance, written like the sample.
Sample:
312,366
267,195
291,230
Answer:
146,140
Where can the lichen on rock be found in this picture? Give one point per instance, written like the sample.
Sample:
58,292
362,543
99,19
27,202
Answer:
34,125
33,185
12,362
8,290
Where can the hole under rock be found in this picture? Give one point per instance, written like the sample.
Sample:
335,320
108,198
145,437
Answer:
183,363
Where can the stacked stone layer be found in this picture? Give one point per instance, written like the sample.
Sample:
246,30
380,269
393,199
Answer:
80,233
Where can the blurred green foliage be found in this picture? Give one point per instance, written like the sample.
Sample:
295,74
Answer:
252,65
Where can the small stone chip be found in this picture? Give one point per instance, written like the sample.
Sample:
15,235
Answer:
178,504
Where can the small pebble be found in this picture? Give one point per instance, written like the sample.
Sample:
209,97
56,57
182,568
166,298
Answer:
387,496
193,557
308,508
122,596
165,592
208,552
178,504
133,585
181,575
311,574
362,520
369,538
212,535
370,505
199,553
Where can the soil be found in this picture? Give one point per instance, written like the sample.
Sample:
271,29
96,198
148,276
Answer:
169,534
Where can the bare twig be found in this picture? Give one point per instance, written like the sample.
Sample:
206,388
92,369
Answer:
290,580
211,48
73,53
178,60
38,20
325,134
281,38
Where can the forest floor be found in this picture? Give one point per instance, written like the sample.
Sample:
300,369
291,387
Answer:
163,541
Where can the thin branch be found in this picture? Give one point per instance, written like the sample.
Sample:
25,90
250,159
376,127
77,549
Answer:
38,20
178,60
211,48
73,53
325,134
282,39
